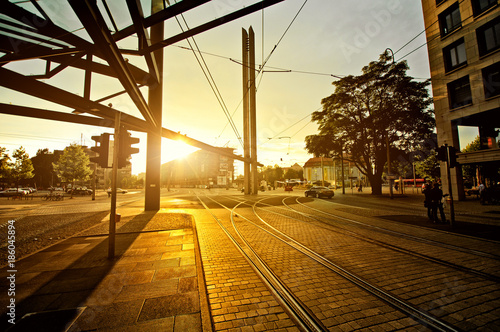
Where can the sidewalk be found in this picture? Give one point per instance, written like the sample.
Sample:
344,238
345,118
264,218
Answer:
154,283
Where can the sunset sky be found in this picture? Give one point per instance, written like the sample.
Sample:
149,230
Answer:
327,39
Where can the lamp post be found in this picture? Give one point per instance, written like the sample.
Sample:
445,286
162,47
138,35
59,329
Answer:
387,142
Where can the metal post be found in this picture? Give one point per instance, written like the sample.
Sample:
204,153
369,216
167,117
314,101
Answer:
114,177
389,165
155,101
246,115
448,173
253,109
94,178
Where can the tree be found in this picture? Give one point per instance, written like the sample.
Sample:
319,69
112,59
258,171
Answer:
21,168
42,163
4,164
381,110
469,171
73,165
272,174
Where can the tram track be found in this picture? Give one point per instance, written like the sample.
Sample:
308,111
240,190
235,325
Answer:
407,308
290,303
414,253
327,224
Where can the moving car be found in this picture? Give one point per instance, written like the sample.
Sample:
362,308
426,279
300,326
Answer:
80,191
118,191
318,191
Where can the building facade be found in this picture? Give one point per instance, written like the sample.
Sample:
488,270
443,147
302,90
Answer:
330,170
199,169
463,42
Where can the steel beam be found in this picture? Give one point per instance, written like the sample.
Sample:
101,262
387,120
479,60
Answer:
161,16
39,113
212,24
18,82
135,10
95,25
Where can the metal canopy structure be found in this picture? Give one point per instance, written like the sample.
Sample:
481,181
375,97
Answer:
89,35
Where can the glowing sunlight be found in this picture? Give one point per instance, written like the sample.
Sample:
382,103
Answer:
171,150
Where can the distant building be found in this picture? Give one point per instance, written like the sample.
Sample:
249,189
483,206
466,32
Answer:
463,42
330,170
198,170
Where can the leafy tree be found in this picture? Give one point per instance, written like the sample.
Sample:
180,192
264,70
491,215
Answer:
4,164
42,163
291,174
272,174
429,167
469,171
73,165
21,168
381,106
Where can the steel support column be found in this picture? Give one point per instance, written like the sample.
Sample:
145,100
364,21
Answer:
252,91
155,100
246,116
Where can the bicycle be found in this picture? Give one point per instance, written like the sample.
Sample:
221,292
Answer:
53,197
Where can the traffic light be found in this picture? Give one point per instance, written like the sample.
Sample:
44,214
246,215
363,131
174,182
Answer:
453,156
442,153
102,149
126,150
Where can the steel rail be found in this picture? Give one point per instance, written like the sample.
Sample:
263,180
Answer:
386,245
287,300
412,237
423,317
412,311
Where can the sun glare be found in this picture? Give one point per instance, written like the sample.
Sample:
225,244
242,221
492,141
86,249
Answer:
171,150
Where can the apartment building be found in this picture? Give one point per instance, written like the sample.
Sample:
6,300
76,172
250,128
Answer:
463,41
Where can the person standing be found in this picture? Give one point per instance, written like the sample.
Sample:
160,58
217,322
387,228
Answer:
437,203
426,190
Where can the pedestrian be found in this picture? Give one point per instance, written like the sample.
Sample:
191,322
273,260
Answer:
437,204
481,189
360,189
426,190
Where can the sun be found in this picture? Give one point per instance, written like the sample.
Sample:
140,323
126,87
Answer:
171,150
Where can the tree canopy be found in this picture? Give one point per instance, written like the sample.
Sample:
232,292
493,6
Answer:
73,164
366,113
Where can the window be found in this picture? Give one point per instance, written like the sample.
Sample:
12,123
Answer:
488,37
480,6
491,80
450,20
455,55
459,92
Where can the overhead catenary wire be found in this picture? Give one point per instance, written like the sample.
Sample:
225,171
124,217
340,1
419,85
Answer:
210,79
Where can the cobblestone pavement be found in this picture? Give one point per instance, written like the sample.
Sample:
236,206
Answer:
211,285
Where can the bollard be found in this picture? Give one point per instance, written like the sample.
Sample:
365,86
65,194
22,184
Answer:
117,217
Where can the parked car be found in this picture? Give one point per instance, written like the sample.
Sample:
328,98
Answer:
13,192
288,188
317,191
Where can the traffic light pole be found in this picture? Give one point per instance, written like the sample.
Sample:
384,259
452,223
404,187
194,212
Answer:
448,174
114,177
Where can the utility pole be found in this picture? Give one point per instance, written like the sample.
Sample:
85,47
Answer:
246,116
253,109
249,113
